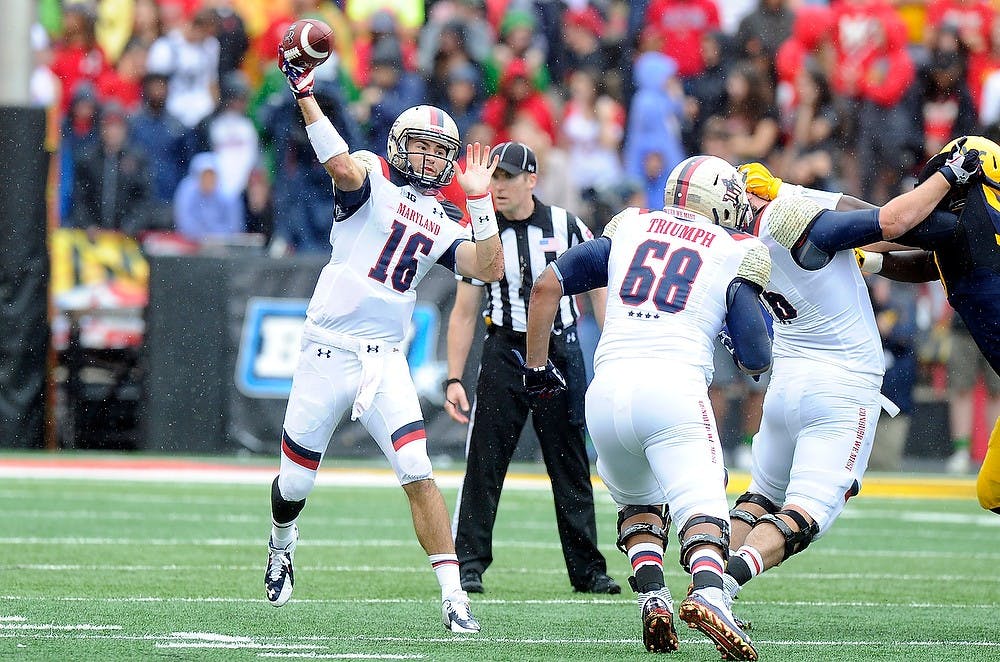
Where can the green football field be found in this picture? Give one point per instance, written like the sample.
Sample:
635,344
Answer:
160,568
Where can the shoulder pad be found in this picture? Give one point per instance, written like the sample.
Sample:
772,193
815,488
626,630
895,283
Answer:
756,265
617,219
789,217
368,160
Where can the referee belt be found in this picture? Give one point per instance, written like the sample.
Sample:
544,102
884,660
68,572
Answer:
521,336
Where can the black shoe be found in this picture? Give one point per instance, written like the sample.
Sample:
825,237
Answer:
601,583
472,581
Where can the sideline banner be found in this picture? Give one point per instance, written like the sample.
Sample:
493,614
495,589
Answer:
99,280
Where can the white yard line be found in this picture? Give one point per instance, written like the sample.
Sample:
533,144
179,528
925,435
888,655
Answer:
341,656
486,601
818,550
331,476
282,642
422,569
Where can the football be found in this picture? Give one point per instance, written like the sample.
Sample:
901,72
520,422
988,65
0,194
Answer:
307,43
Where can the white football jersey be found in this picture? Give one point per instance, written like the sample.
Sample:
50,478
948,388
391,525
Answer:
668,273
823,315
381,251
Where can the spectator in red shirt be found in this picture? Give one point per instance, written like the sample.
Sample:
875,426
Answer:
984,63
682,24
971,18
889,136
382,26
123,84
77,57
516,96
810,33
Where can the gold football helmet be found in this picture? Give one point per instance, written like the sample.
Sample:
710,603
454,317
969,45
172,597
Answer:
989,155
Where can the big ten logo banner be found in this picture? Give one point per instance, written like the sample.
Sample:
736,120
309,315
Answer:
105,261
272,337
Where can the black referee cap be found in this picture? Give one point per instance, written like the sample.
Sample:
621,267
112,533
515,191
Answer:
515,158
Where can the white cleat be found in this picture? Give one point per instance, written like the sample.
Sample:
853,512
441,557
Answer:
456,614
278,576
706,611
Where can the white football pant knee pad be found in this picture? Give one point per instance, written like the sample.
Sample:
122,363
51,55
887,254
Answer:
412,464
295,482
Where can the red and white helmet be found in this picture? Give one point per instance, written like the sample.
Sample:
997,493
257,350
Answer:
430,123
710,186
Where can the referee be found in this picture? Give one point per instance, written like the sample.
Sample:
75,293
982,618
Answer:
533,234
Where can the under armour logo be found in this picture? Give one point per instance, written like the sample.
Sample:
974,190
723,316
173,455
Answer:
571,337
373,349
484,219
323,353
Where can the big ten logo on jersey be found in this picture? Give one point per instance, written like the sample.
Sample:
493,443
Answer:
269,346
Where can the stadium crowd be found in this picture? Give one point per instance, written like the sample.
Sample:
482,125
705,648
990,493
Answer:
177,119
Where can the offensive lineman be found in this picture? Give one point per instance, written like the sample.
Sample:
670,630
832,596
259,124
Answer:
824,400
390,227
674,277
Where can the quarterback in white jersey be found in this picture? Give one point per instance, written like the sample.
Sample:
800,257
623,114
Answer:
390,226
824,400
674,278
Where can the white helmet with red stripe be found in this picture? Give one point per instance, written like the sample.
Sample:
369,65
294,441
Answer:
430,123
710,186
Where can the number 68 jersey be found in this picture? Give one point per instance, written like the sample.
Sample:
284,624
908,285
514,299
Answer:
386,236
668,274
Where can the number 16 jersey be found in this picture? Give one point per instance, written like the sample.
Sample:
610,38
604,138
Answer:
385,237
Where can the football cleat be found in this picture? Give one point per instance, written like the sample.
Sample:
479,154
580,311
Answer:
472,581
278,576
456,614
712,618
658,633
600,583
729,590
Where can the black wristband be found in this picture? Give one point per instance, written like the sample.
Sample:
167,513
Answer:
949,174
448,382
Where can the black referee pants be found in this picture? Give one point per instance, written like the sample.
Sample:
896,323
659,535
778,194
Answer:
499,414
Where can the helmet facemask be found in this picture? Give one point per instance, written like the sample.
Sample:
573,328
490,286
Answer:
430,124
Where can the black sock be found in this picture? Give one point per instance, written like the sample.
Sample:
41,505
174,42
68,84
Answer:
706,579
739,570
282,510
649,578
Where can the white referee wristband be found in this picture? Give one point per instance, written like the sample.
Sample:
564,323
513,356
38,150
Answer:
873,262
326,142
484,219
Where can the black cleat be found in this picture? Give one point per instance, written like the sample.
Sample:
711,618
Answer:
472,581
600,583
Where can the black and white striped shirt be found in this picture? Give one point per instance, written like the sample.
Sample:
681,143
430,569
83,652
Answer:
528,246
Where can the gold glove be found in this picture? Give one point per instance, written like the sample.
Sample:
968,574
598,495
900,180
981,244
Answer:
760,181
